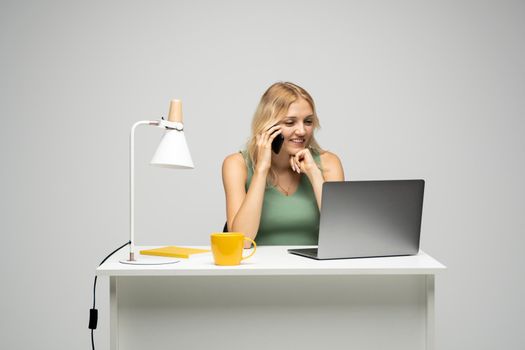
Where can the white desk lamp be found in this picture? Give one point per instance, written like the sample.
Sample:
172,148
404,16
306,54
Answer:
172,152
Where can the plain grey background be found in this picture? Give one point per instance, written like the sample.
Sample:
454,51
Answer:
404,89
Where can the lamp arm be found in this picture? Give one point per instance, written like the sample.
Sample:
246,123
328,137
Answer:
132,184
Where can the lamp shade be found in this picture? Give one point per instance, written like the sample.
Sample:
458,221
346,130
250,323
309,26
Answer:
173,151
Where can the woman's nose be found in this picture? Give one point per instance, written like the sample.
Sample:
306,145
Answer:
300,129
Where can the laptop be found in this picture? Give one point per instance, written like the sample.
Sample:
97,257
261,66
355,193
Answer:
368,219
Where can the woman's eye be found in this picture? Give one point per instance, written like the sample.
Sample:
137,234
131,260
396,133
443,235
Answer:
288,123
308,122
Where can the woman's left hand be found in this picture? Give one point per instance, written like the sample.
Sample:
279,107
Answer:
303,162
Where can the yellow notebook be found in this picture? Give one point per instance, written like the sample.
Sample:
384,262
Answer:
173,251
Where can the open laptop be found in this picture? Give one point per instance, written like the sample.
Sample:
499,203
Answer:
368,219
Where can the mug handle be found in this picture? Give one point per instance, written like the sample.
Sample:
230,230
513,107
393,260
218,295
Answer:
254,248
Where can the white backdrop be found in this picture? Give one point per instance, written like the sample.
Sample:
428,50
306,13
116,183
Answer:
404,89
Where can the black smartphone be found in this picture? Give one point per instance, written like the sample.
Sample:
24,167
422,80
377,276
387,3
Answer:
277,143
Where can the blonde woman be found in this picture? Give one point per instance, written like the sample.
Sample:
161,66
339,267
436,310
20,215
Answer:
274,198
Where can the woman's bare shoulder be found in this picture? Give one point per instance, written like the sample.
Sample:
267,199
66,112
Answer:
234,162
332,167
234,159
328,158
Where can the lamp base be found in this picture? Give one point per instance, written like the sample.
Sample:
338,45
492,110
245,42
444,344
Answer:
148,262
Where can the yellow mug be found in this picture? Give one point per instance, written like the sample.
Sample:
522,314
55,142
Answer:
227,248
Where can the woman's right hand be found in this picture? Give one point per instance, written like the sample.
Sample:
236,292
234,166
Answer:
264,148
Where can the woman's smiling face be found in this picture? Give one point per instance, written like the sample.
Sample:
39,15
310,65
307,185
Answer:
297,126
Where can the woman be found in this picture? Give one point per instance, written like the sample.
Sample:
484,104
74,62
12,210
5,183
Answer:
274,198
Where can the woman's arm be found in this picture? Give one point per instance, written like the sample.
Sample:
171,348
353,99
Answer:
243,209
332,170
332,167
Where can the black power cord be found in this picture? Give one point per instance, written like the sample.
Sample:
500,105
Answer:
93,313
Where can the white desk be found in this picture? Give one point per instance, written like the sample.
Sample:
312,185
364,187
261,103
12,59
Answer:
273,300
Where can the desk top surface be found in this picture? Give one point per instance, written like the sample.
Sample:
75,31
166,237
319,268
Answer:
271,261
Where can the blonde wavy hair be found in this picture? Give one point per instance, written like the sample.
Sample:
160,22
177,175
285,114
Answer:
272,109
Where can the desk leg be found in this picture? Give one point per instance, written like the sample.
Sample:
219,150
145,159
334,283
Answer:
113,314
430,313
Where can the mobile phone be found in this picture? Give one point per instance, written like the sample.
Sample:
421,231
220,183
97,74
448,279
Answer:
277,143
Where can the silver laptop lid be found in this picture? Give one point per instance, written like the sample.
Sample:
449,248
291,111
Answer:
370,218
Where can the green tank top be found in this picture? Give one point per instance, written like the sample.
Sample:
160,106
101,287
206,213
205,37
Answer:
288,220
